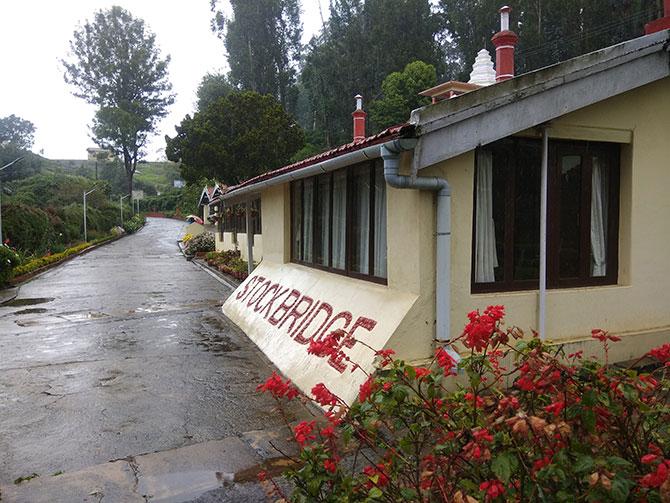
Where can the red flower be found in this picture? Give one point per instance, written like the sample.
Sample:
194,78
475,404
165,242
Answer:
648,459
477,402
482,435
262,475
661,353
446,361
493,488
482,327
378,471
555,408
323,395
421,372
509,402
328,431
326,346
386,356
303,432
657,478
330,465
278,388
366,389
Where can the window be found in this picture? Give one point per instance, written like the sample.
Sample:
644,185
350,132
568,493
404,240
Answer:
338,221
582,215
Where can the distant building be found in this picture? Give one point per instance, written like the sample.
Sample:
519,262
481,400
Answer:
178,184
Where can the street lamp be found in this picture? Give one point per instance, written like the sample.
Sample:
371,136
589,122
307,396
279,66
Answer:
121,206
86,194
5,166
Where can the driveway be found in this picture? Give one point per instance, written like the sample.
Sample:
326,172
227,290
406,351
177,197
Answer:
119,352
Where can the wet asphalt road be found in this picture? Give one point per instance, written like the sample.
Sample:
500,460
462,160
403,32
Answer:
122,351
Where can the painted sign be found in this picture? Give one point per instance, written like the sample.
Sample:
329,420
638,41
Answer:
281,307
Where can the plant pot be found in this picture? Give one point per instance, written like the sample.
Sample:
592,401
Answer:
200,254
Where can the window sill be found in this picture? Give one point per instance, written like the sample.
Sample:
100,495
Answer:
550,291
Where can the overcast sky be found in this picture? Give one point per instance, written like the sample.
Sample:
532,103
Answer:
35,35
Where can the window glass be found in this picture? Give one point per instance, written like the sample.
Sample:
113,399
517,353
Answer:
360,220
308,219
322,223
380,223
570,217
527,211
339,218
296,225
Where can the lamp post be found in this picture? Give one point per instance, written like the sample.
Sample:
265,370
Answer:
5,166
121,206
85,229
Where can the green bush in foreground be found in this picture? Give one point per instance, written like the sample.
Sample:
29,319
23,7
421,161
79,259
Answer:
8,260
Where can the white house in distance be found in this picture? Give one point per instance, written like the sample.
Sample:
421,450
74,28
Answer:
544,192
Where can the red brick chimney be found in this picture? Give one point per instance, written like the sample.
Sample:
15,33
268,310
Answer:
662,23
505,41
359,116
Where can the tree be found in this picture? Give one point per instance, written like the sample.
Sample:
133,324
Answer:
549,30
359,46
17,132
262,39
237,137
212,87
116,65
401,94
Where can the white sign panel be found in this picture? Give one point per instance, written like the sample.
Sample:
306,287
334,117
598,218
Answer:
281,307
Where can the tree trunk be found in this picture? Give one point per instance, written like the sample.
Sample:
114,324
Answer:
129,177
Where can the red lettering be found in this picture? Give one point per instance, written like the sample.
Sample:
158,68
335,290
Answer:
344,315
324,307
267,307
337,360
259,293
272,288
296,313
273,320
246,287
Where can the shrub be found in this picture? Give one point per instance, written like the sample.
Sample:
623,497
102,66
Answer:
201,243
568,428
8,260
26,227
229,262
134,224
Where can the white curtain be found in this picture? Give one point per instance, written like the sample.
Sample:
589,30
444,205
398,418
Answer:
486,258
323,204
297,222
339,217
308,219
599,202
380,223
362,225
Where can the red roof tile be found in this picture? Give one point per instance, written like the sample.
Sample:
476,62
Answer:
398,131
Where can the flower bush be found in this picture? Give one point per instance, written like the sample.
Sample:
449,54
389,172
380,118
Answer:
201,243
229,262
9,259
516,419
134,224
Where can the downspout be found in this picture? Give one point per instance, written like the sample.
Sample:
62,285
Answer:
390,152
542,300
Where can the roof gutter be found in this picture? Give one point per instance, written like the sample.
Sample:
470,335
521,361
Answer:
364,154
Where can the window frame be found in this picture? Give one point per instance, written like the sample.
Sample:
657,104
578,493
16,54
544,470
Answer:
557,147
348,239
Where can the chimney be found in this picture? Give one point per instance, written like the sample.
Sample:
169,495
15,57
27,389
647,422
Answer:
359,116
505,41
659,24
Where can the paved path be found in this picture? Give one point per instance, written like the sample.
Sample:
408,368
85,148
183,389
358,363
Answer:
119,352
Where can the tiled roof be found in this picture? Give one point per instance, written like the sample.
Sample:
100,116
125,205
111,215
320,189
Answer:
397,131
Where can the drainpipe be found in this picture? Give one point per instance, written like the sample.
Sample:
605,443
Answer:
390,152
542,300
250,237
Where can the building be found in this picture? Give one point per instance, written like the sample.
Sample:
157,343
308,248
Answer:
99,154
545,192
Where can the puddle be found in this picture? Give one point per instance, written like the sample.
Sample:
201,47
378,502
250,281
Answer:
79,316
32,310
211,338
28,302
177,487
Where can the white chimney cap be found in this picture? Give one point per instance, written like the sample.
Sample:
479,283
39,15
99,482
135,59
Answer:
359,102
483,73
504,17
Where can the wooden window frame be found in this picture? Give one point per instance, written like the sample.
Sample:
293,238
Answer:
348,244
610,151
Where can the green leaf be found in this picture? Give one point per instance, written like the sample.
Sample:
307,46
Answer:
409,494
584,464
589,419
375,492
621,489
504,465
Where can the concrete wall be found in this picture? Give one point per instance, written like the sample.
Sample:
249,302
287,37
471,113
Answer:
228,244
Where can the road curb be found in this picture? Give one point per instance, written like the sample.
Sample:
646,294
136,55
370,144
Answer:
9,294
